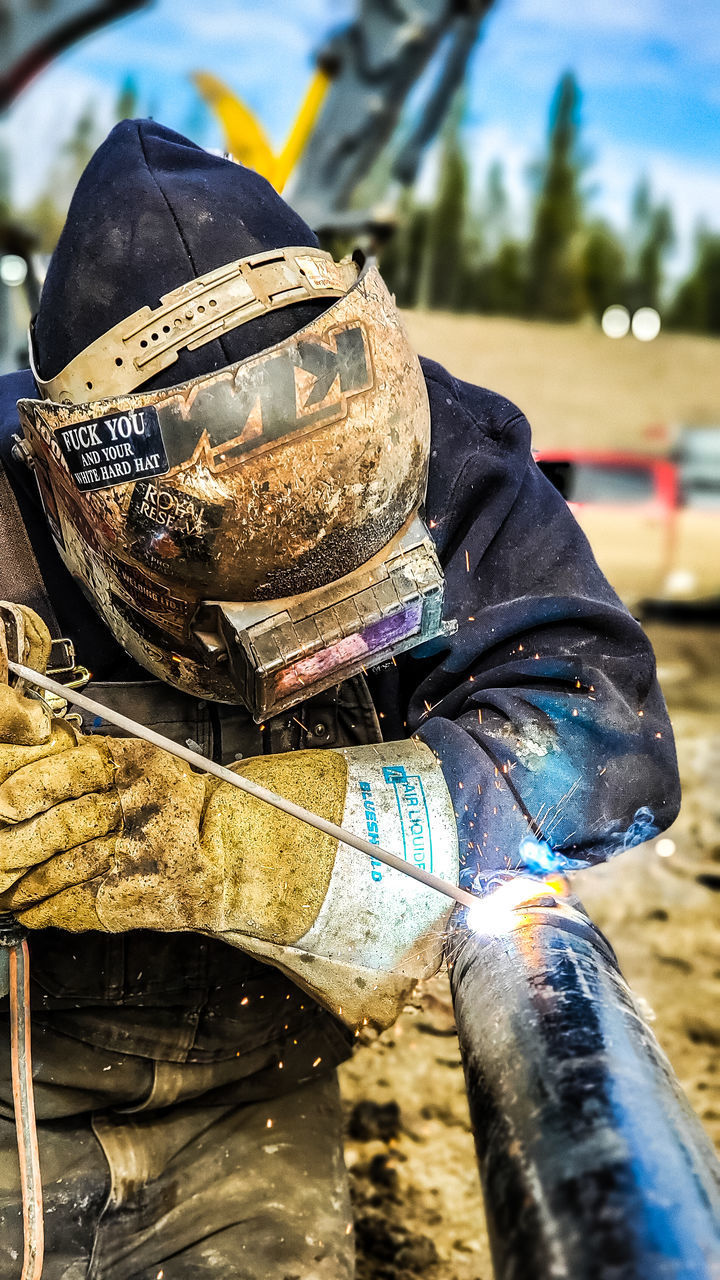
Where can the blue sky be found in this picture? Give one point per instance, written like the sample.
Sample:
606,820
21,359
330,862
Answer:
647,68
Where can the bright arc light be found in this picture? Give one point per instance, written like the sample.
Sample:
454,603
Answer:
646,324
615,322
665,848
13,270
493,913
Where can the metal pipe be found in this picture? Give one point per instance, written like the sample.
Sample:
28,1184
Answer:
593,1165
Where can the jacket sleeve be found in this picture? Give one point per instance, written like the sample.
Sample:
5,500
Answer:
544,706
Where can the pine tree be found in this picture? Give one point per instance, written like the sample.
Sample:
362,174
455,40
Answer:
495,210
603,268
555,287
46,215
401,257
697,304
650,237
445,240
126,107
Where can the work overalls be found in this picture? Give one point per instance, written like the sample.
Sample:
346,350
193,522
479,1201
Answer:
188,1108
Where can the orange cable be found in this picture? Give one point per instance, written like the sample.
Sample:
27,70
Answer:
24,1105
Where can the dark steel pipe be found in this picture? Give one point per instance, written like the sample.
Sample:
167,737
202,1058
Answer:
593,1165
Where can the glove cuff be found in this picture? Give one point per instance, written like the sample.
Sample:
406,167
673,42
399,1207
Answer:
372,916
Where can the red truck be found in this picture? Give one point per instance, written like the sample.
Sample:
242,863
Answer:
653,522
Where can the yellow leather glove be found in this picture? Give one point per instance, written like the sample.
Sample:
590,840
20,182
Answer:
27,730
115,834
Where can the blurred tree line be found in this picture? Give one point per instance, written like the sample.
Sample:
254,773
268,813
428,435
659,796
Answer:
459,253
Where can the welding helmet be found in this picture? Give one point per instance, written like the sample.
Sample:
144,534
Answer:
250,530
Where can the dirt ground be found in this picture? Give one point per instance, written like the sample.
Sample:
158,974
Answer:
418,1205
574,384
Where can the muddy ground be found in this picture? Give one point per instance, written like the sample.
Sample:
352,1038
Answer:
409,1146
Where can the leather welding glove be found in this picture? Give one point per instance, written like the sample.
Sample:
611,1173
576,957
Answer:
116,834
27,730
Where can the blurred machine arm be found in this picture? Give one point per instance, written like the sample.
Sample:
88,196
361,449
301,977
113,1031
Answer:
376,62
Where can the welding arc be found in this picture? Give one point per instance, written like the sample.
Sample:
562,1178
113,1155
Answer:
244,784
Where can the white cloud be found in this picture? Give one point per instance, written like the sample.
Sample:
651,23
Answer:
691,188
35,130
634,15
690,28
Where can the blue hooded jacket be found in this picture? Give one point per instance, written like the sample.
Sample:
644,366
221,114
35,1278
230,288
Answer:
544,707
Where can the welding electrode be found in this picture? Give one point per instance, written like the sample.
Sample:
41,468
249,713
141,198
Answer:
22,1086
244,784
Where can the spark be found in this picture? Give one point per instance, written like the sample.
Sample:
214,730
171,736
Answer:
302,726
658,735
641,713
245,1000
467,561
317,1062
268,1124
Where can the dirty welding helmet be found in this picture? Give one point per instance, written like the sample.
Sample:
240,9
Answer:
233,438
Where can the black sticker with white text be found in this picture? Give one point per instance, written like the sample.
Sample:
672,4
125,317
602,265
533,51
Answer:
113,450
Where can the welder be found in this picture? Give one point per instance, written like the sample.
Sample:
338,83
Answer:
235,496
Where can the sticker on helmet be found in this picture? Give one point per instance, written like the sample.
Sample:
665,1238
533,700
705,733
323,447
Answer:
116,449
302,387
169,524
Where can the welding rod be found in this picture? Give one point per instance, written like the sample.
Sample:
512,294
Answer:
244,784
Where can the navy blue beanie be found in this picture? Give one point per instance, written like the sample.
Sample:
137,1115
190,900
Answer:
151,211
